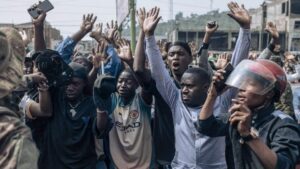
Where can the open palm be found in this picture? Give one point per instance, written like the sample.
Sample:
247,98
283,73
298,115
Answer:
239,14
151,21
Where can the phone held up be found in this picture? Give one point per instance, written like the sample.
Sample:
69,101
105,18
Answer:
45,6
221,84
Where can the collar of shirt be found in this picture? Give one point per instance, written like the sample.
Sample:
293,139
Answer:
262,114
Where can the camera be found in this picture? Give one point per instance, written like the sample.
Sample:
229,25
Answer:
50,63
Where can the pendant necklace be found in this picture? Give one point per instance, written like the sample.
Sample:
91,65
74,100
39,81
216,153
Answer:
72,110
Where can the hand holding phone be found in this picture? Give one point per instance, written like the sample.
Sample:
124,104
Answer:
220,85
35,9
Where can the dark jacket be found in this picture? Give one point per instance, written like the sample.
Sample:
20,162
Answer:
276,129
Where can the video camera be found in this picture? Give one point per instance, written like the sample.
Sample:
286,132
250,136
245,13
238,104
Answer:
50,63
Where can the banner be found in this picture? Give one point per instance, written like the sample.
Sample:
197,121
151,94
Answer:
122,10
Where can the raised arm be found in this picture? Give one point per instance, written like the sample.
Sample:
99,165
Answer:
140,56
66,47
242,17
241,50
203,52
103,98
114,65
39,39
159,73
272,30
42,108
99,57
208,124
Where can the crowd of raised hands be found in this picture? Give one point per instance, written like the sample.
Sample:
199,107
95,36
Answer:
105,100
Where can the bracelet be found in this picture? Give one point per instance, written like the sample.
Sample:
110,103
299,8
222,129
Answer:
254,134
204,46
101,111
42,90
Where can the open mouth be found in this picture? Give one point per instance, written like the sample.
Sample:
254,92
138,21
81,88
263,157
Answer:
175,65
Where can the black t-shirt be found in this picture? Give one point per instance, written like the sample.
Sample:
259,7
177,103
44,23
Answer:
69,141
163,128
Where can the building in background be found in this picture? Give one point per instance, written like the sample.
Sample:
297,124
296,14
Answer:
285,14
52,35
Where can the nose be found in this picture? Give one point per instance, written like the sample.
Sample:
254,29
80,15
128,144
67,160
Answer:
176,56
123,84
185,90
70,87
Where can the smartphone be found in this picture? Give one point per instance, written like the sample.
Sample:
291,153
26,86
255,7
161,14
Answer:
221,84
44,6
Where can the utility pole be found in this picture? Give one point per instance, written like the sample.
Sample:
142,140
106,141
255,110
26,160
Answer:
170,10
263,23
132,23
211,5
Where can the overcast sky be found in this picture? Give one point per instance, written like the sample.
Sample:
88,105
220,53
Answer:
67,14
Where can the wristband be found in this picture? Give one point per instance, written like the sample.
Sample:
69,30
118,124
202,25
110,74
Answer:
254,134
204,46
271,47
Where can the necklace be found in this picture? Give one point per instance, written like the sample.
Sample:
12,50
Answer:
72,110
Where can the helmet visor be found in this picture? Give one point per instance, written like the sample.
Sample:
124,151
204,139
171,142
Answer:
252,77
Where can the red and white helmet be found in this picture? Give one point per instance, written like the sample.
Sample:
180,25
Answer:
258,77
277,72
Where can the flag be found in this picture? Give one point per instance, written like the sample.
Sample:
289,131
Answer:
122,10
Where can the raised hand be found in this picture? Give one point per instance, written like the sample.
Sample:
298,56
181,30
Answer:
151,21
112,32
99,55
37,77
141,14
125,53
43,86
97,33
239,14
222,61
39,21
211,27
25,37
240,116
272,30
87,23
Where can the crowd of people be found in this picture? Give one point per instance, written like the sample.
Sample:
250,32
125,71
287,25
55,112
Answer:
164,105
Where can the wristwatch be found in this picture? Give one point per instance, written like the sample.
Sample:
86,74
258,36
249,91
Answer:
254,134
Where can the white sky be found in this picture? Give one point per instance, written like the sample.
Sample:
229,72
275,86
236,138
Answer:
67,14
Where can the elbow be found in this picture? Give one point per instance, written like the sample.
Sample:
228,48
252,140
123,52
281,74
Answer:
46,111
138,71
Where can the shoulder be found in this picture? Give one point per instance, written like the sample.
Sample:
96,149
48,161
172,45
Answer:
283,120
282,115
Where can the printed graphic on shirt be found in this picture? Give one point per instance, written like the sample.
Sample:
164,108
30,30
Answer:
129,125
130,138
